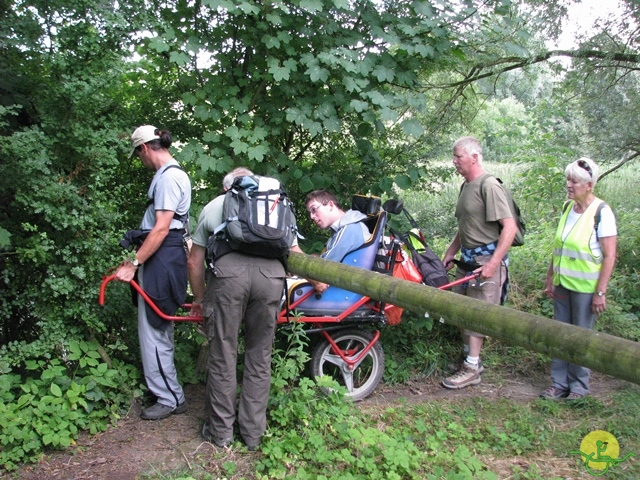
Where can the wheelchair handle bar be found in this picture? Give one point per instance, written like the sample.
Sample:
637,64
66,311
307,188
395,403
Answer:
149,302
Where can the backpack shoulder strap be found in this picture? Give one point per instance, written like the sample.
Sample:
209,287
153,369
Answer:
482,190
598,216
150,201
173,166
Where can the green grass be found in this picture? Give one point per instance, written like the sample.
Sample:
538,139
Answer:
620,188
458,436
502,430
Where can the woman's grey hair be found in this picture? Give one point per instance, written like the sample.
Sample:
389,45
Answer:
470,145
583,170
228,179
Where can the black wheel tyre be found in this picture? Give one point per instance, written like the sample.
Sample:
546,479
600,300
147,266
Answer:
366,375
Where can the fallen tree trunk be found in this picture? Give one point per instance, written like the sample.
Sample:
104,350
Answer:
599,351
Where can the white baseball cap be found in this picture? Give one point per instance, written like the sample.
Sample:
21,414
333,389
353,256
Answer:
141,135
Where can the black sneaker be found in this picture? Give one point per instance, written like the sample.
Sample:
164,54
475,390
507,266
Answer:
156,412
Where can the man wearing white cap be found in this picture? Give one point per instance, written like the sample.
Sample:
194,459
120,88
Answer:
160,267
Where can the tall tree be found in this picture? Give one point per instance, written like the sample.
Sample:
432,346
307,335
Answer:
599,77
303,88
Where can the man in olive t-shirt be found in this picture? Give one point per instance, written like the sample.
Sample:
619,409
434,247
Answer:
486,229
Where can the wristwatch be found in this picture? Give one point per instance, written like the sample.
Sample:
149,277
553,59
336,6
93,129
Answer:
135,262
600,294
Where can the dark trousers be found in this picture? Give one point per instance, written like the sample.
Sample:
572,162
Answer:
573,308
249,289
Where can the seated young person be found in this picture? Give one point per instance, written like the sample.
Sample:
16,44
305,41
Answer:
349,232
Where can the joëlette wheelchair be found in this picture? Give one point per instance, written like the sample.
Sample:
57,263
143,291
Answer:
347,323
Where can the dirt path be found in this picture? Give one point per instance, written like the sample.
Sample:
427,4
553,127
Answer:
136,448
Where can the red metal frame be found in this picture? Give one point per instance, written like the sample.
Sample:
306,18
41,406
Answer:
154,307
318,322
284,315
345,354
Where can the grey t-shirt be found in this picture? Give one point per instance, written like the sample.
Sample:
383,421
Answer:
170,190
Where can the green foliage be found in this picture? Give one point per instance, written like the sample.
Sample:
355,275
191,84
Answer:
47,406
290,356
623,311
432,211
188,340
505,428
316,433
62,186
313,434
352,69
419,348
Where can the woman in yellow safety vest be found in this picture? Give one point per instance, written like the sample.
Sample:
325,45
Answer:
583,258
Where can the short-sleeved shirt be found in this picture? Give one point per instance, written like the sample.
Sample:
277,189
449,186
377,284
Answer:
170,190
478,220
210,218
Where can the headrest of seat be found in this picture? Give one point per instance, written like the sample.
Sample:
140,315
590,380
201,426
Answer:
366,204
393,206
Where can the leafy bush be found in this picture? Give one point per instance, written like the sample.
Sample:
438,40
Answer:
418,347
48,405
187,345
312,432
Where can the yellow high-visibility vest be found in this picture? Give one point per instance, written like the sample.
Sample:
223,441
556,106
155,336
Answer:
575,267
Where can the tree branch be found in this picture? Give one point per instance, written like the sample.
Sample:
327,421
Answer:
620,165
479,71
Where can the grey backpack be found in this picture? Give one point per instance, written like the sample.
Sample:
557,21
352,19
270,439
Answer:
258,219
